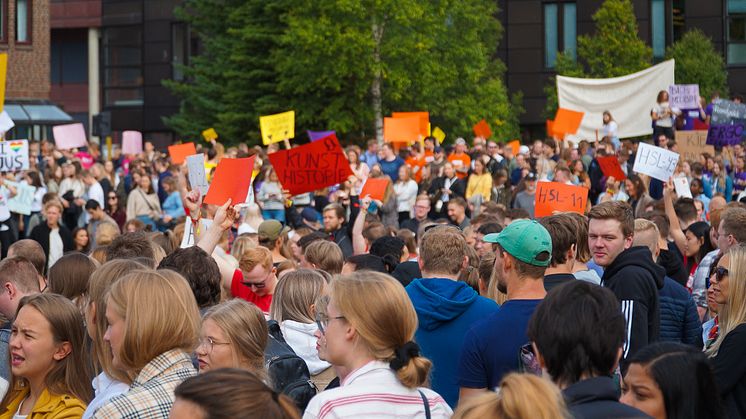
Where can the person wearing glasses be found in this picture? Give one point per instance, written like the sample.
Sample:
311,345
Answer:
114,210
367,329
255,279
234,334
726,353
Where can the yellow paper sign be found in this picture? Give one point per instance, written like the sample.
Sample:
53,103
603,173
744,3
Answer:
3,74
278,127
210,134
439,135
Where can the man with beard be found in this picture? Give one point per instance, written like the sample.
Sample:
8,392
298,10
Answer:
492,345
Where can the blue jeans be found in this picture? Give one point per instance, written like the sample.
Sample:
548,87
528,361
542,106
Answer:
278,215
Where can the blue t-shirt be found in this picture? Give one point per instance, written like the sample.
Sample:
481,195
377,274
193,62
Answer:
391,168
491,347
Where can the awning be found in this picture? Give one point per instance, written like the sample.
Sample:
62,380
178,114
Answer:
36,112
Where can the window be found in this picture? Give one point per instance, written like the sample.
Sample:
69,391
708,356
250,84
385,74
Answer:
560,31
678,19
68,55
658,27
3,21
122,66
23,21
736,51
179,50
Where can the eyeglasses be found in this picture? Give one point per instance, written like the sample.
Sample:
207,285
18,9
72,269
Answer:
258,285
112,197
323,322
720,272
210,343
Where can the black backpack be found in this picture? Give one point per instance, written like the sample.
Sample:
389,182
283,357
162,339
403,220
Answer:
288,372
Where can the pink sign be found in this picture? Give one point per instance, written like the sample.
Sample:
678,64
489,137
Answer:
131,142
69,136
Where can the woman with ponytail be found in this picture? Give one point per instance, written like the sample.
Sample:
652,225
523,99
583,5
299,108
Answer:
368,327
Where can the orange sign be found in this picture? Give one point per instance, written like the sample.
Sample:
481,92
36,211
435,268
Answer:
375,187
401,130
566,121
482,129
514,145
179,153
424,118
231,180
555,196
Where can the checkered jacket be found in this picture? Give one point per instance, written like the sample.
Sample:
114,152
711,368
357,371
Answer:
151,395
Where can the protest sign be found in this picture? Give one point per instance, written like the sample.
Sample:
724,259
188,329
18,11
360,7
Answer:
566,121
655,161
189,239
179,152
375,187
439,135
317,135
131,142
210,134
197,177
692,144
725,135
610,167
683,96
69,136
424,118
550,128
231,180
401,130
278,127
13,155
3,76
482,129
514,145
311,166
726,112
681,184
555,196
24,197
5,122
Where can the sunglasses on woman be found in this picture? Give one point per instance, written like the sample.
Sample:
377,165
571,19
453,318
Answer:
720,272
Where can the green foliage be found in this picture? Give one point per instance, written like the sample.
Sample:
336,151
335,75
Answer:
697,62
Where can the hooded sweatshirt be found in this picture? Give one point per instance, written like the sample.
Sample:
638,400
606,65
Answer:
300,337
635,280
446,310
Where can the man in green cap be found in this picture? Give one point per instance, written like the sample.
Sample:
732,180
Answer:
492,346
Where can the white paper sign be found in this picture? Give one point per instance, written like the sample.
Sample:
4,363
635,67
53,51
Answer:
197,177
655,162
13,155
188,240
684,96
682,187
5,122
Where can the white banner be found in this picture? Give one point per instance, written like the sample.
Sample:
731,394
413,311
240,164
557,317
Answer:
629,99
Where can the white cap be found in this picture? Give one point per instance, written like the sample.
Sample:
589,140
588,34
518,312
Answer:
523,149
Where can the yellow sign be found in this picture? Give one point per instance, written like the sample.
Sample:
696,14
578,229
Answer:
210,134
278,127
3,74
439,135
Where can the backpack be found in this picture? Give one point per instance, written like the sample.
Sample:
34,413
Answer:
287,372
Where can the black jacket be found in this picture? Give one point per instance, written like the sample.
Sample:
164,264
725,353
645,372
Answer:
40,233
674,266
635,280
458,188
598,398
343,239
729,367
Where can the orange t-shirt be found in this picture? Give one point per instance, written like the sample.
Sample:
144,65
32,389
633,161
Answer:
459,162
418,163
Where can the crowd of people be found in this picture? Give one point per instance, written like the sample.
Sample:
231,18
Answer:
446,298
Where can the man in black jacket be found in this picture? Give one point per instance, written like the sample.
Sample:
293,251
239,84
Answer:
629,272
445,188
334,224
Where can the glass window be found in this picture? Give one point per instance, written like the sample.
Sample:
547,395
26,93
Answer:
179,50
23,21
658,23
3,21
736,6
569,30
550,34
122,72
560,26
736,49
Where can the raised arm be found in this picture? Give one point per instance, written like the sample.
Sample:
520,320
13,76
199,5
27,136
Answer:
676,233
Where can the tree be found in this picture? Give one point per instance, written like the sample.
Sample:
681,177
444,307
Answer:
697,62
614,50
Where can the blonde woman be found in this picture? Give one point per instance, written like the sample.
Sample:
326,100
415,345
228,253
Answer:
367,329
480,182
729,285
234,335
153,326
406,193
294,308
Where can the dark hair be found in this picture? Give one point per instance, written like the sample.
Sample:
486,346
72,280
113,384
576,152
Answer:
311,237
517,213
32,251
92,204
684,377
660,220
200,271
131,246
685,209
701,230
639,185
562,230
374,231
578,330
489,228
368,262
461,202
69,276
75,232
389,249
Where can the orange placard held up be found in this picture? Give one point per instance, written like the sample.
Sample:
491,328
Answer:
566,121
555,196
514,145
401,130
424,120
610,167
482,129
231,180
375,187
179,153
550,128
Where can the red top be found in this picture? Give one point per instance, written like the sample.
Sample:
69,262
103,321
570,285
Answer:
239,290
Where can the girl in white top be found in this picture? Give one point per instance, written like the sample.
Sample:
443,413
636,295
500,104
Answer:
610,129
406,193
368,327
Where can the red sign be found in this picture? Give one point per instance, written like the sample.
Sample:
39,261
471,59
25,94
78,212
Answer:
611,167
231,180
555,196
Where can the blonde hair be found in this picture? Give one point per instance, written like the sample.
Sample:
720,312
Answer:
379,309
733,313
325,255
294,295
520,396
470,274
160,314
243,243
106,233
244,325
442,250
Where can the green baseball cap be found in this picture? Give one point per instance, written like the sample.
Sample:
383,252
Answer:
524,240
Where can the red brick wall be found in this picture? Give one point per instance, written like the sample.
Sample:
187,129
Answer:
75,14
28,65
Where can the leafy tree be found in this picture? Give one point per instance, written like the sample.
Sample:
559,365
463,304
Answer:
614,50
697,62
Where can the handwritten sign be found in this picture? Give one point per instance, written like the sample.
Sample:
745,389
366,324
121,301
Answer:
724,135
210,134
189,239
439,135
401,130
555,196
691,144
3,76
317,135
683,96
681,184
132,142
311,166
197,177
726,112
278,127
5,122
424,118
611,168
21,202
655,161
13,155
69,136
179,152
231,180
482,129
566,121
375,187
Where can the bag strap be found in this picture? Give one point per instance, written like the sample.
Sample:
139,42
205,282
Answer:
145,197
426,403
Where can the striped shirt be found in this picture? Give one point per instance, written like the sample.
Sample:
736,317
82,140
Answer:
373,391
151,395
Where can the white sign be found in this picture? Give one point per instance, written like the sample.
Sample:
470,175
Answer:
682,187
5,122
655,162
189,240
684,96
13,155
197,177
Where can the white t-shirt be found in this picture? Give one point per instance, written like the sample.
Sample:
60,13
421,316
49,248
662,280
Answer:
56,248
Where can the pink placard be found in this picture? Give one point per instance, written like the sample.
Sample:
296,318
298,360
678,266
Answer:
132,142
69,136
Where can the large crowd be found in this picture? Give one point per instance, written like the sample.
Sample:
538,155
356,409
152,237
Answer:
446,297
